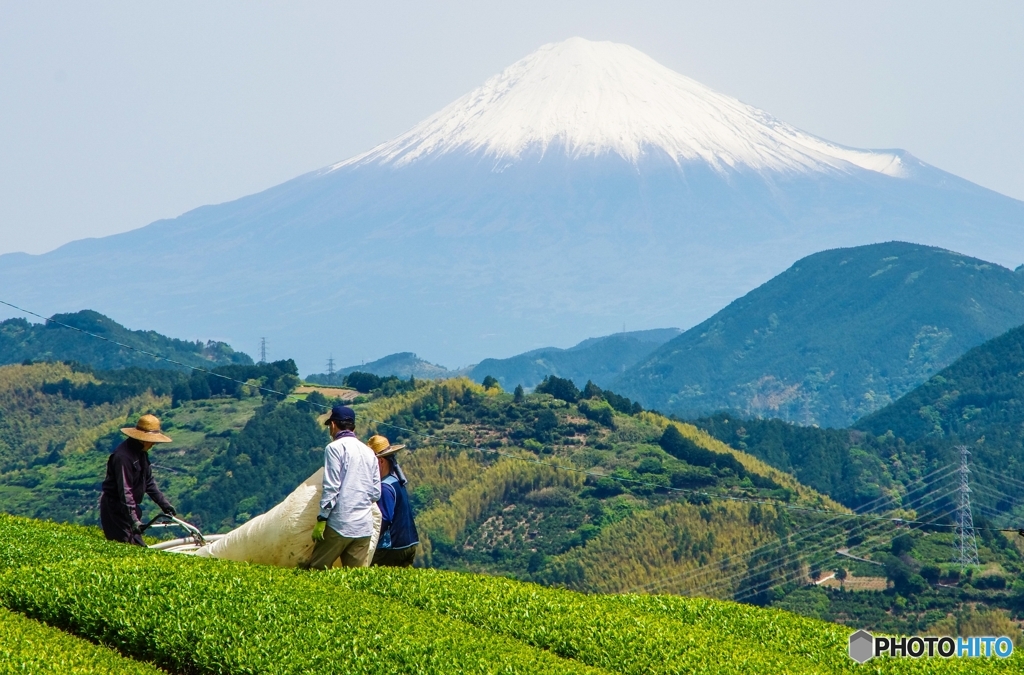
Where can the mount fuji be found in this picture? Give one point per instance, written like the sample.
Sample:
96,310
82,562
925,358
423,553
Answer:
585,187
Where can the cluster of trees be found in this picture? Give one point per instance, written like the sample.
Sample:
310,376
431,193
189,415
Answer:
389,385
279,376
566,390
682,448
115,386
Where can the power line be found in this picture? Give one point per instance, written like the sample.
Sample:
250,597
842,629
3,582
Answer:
869,530
770,583
872,506
794,556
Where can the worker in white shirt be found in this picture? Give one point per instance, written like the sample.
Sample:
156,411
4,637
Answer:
351,489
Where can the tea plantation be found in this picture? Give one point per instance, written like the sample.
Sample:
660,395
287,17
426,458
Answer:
191,615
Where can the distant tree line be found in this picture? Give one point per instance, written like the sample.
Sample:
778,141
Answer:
388,385
115,386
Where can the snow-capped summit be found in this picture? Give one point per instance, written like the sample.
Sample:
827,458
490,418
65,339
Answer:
588,98
583,187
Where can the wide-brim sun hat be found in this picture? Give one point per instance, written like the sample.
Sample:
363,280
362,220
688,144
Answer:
382,447
147,430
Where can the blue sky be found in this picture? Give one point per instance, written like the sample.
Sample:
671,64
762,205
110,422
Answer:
116,114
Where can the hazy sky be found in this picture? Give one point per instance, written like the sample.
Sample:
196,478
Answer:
113,115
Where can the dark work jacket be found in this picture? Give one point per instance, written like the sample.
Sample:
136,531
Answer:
397,530
129,478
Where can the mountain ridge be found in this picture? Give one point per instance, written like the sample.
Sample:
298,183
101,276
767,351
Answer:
838,335
598,359
485,259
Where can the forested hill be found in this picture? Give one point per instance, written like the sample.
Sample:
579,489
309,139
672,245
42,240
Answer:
978,401
22,341
837,336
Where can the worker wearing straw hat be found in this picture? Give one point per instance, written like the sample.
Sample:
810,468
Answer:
396,546
129,478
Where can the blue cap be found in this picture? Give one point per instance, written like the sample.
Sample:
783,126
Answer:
341,413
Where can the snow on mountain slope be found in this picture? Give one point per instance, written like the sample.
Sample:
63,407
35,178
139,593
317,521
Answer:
590,98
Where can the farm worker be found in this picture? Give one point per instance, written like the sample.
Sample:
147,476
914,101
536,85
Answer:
129,477
351,488
396,546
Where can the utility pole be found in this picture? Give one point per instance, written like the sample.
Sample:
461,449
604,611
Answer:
263,350
330,369
967,546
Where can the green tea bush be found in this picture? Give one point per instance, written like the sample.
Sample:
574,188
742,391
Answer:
647,633
32,648
573,625
207,616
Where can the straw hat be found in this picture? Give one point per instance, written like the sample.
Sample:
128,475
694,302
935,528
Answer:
382,447
147,429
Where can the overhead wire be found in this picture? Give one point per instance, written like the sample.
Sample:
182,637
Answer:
795,555
867,508
748,593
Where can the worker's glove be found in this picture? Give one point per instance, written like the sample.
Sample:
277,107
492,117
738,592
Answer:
169,510
136,526
318,531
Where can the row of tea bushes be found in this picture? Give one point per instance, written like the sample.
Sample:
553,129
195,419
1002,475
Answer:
33,648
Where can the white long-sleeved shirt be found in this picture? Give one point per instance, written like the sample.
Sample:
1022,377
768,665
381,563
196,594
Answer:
351,486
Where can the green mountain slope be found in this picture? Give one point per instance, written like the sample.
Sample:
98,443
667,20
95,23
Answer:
977,401
837,336
599,360
23,341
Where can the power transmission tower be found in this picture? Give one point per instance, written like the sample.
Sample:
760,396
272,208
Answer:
263,350
967,546
330,369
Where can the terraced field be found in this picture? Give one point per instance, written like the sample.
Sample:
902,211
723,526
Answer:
192,615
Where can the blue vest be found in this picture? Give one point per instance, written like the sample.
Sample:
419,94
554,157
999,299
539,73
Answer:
402,533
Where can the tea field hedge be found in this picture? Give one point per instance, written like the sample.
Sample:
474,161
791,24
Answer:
646,633
33,648
193,615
